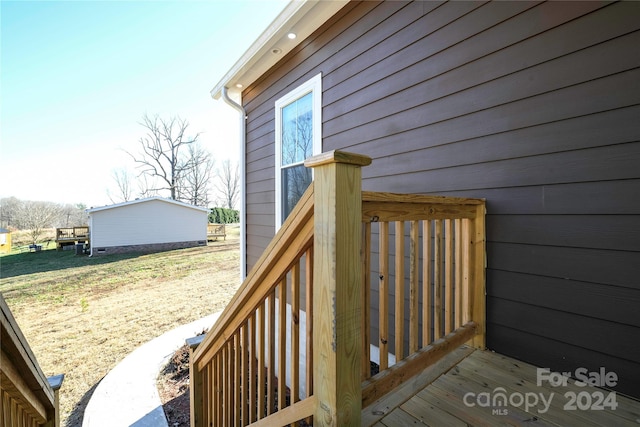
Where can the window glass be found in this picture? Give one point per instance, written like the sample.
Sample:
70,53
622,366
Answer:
298,137
295,181
297,130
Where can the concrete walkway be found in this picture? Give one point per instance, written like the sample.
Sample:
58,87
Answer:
127,395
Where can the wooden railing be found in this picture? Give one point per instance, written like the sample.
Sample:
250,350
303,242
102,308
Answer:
238,371
27,397
71,235
295,342
427,267
216,230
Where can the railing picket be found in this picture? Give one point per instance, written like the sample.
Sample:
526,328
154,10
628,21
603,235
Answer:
230,385
236,378
458,273
427,313
399,297
309,325
414,264
282,343
261,362
221,384
295,333
253,369
384,295
219,388
214,390
271,370
437,281
212,393
466,270
448,276
207,397
366,299
245,374
198,394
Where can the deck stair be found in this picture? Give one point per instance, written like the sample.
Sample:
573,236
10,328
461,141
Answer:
351,280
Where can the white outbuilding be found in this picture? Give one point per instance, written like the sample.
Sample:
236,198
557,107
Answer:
147,225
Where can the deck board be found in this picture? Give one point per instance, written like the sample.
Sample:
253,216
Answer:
628,408
438,398
523,380
458,384
380,408
430,414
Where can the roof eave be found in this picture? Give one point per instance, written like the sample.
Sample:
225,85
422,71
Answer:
148,199
301,17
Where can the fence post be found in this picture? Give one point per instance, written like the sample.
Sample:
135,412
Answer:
55,382
337,306
479,297
196,400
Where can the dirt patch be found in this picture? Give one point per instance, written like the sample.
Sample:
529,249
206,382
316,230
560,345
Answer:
173,387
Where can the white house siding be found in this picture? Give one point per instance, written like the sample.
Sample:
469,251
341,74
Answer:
153,224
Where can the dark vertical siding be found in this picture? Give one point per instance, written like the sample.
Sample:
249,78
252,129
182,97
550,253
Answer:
533,106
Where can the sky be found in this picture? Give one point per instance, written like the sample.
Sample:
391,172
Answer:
77,77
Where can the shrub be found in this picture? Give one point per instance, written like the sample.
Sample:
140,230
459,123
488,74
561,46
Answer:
223,216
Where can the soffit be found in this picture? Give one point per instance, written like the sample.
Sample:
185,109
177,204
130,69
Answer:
299,17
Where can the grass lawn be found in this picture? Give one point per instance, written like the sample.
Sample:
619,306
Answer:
82,315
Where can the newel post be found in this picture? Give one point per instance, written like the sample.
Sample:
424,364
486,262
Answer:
479,292
196,384
337,306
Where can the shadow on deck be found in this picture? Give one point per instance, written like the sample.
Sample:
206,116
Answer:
480,388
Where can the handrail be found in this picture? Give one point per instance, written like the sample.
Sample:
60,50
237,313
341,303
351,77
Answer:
293,238
237,343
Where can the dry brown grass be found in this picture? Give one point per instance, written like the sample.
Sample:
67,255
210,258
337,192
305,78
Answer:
82,321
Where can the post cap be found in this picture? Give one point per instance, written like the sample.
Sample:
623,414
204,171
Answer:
336,156
55,382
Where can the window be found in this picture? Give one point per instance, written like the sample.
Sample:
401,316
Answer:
298,136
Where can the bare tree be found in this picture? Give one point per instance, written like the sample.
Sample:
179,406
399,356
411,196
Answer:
228,183
36,216
124,186
72,216
161,151
147,186
9,211
194,187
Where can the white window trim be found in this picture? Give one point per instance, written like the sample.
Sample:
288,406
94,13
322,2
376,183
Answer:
314,86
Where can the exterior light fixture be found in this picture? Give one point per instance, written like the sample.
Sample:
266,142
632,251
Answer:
276,51
239,85
291,36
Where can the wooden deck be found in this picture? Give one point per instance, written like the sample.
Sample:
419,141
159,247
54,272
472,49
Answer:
216,230
68,236
323,263
479,388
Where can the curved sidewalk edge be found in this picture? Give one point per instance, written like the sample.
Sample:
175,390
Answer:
127,395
